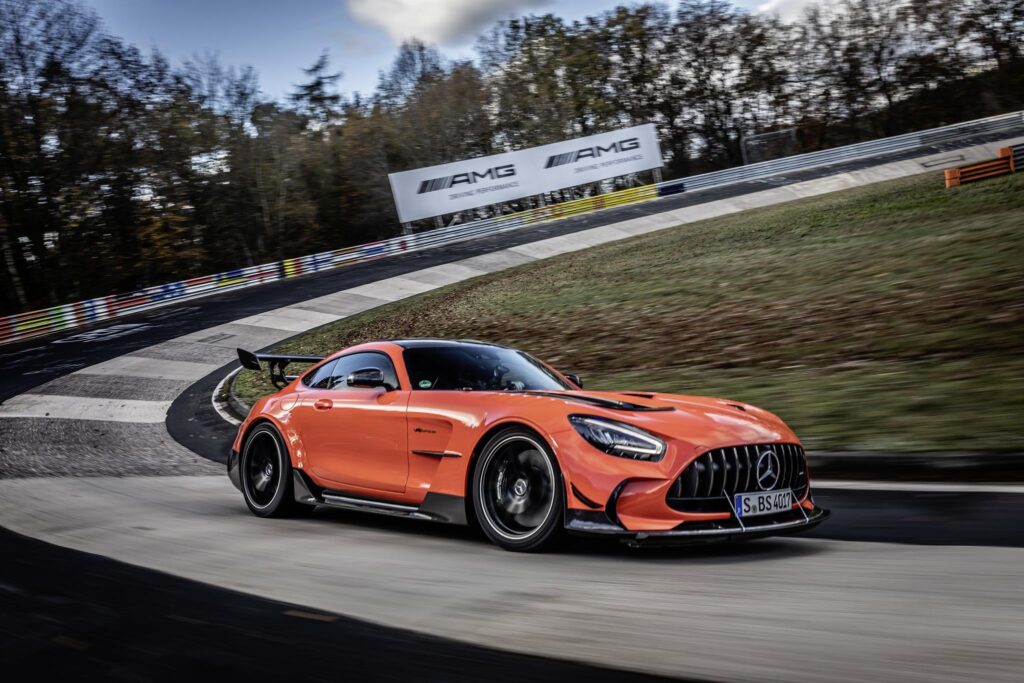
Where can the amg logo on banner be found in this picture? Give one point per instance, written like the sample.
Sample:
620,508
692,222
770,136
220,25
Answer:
592,152
507,176
434,184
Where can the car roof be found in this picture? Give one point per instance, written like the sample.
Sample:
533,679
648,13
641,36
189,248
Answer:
429,343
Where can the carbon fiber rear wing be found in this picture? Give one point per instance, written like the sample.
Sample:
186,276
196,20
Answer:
276,363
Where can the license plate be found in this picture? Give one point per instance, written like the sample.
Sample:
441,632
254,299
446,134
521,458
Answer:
763,503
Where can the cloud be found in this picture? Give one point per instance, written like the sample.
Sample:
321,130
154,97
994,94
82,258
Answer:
436,21
786,9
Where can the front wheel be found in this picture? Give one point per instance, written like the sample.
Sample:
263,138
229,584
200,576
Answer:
518,494
266,473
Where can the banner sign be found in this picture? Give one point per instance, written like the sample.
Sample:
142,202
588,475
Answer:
462,185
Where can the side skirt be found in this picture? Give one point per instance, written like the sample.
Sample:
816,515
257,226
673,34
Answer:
436,507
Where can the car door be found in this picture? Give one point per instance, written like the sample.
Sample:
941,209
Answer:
356,436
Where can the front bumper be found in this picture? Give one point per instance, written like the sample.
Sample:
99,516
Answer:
630,499
599,523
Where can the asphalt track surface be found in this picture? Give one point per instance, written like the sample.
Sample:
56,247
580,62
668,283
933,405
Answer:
66,615
778,609
908,585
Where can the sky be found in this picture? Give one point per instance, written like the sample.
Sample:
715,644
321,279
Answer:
279,38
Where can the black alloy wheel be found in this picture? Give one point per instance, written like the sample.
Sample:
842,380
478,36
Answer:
518,492
266,474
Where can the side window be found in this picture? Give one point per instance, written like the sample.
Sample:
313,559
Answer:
360,361
321,377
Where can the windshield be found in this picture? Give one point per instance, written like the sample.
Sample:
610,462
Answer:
478,368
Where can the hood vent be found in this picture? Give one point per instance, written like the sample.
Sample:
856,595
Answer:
608,403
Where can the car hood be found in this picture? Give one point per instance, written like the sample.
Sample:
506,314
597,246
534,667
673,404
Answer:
698,420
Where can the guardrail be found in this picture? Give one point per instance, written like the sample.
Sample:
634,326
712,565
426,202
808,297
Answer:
1008,161
36,323
862,150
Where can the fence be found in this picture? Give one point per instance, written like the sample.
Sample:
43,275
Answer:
36,323
1010,159
1004,123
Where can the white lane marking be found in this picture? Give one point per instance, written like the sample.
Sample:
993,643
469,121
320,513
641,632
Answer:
555,246
104,334
445,274
922,486
150,368
497,260
564,244
84,408
238,335
343,303
225,415
290,319
393,288
56,368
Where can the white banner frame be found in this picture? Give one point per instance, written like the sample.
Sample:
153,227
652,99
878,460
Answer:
472,183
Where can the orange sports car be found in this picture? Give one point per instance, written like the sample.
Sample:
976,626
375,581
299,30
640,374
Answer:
473,433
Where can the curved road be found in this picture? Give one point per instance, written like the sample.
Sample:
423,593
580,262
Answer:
900,585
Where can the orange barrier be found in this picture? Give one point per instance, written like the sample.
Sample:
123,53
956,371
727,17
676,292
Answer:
1001,165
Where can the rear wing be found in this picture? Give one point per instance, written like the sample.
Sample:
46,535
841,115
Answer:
276,363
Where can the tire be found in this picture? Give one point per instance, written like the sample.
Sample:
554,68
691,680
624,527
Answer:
518,492
265,471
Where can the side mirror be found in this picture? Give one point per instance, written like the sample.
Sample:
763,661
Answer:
575,379
367,378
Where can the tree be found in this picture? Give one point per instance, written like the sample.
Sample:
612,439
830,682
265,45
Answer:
522,63
632,48
316,98
705,46
997,27
119,169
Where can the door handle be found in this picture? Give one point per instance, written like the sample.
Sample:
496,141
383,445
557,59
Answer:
323,404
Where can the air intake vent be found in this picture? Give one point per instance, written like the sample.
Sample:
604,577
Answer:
709,482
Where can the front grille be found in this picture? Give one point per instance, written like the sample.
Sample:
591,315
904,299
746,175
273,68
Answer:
709,482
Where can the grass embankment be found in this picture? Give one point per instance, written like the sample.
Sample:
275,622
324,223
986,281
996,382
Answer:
888,317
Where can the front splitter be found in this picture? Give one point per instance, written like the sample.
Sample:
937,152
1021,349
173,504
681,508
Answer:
589,523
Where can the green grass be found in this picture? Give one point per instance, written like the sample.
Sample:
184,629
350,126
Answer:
889,317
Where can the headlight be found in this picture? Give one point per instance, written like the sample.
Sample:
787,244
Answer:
616,438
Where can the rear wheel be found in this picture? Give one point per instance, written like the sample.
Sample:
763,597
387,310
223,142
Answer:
266,473
518,494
